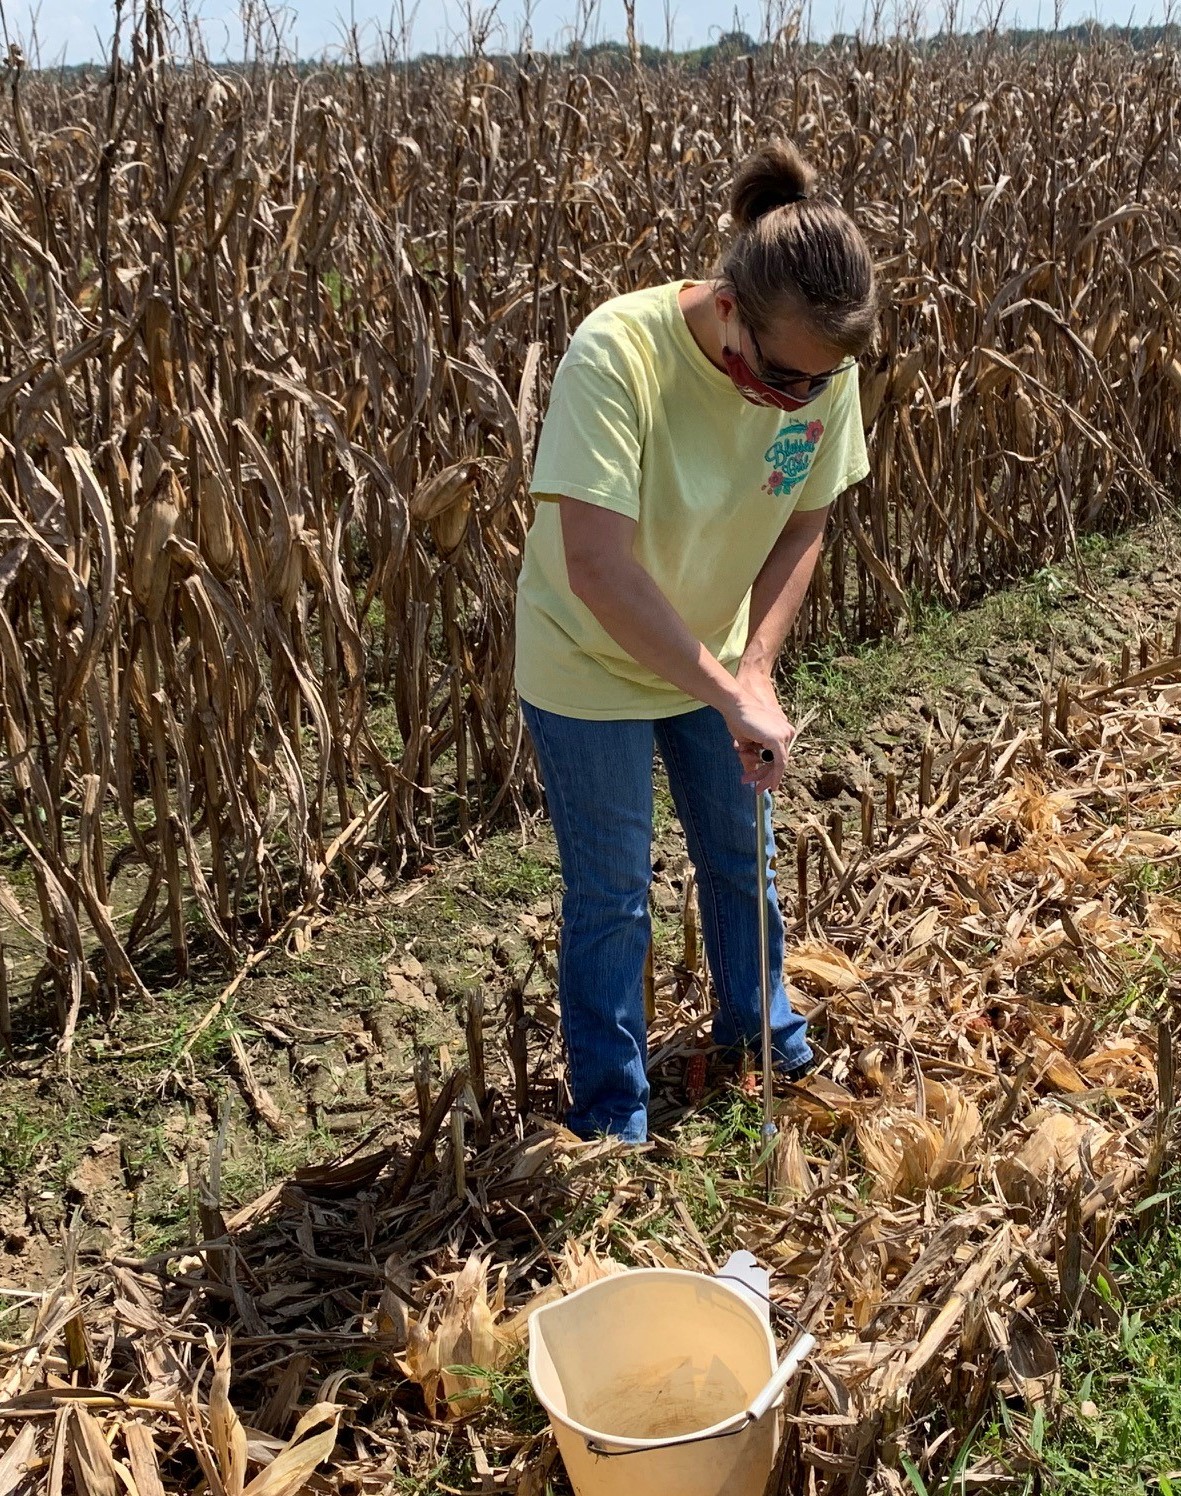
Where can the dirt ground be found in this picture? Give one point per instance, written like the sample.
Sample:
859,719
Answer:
318,1048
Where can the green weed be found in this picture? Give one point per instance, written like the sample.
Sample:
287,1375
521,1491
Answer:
955,1481
502,1398
506,871
727,1138
508,1393
383,725
1151,877
430,1483
663,810
21,1146
334,285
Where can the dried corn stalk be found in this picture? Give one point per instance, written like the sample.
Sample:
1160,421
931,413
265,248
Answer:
274,389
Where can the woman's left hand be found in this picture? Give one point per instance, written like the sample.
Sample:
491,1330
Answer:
756,683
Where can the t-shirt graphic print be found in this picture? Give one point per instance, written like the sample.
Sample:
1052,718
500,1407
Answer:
790,456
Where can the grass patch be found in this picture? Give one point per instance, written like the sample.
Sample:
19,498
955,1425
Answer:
1118,1429
382,719
266,1159
936,651
1121,1435
507,872
21,1145
664,812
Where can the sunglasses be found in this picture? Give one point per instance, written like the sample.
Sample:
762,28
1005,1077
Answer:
794,382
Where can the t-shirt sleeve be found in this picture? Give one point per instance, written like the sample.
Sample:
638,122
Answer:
590,441
841,459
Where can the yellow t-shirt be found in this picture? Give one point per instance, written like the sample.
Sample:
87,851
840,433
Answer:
642,423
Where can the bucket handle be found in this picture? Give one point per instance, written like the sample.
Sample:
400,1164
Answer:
595,1447
762,1404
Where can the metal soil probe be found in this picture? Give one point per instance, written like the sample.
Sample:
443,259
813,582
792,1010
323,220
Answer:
770,1128
770,1132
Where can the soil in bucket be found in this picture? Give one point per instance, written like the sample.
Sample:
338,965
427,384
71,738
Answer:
665,1398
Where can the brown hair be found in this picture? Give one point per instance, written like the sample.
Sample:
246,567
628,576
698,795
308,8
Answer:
793,253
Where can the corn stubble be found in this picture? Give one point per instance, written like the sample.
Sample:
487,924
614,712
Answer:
992,983
275,350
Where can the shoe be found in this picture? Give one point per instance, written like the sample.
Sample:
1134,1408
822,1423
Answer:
751,1082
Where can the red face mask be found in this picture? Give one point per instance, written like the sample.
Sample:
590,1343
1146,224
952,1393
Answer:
760,392
751,387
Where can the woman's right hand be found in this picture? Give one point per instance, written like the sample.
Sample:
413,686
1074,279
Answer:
757,722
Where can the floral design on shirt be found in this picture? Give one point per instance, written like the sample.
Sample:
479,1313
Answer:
790,456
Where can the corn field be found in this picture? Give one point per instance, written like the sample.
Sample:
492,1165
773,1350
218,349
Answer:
276,345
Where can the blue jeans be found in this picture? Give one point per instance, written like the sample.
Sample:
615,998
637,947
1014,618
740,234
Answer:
598,781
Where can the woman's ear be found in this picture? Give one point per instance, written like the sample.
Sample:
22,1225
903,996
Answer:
724,304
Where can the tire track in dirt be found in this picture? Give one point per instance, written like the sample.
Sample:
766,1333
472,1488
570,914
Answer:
1132,593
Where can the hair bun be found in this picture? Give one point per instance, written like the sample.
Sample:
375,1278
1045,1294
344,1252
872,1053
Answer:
773,177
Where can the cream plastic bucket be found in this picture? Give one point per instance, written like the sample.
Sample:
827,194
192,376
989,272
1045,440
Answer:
660,1382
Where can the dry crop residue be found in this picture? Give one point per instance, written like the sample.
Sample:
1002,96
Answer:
989,979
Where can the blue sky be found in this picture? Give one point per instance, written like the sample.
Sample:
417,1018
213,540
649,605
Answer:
76,30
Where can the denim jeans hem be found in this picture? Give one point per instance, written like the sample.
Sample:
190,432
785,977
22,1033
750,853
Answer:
783,1059
633,1131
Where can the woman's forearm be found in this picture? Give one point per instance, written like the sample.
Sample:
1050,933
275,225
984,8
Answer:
780,588
631,607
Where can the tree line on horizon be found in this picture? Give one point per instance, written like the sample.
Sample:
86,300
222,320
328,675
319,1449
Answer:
729,47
